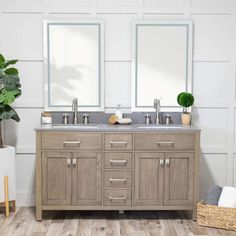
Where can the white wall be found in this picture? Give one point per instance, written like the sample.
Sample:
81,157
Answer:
214,71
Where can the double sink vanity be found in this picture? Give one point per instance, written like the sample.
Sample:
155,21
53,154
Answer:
105,167
119,167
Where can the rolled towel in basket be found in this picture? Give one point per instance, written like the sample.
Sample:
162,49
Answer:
228,197
213,195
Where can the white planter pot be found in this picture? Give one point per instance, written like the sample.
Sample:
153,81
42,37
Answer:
7,167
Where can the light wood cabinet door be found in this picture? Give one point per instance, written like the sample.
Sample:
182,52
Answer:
149,171
56,178
87,180
179,176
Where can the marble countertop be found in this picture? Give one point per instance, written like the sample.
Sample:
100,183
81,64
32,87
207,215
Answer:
116,128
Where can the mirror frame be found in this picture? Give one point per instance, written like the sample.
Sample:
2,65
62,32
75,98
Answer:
188,86
46,24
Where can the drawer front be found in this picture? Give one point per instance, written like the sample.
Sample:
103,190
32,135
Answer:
118,160
164,141
119,197
62,140
118,141
117,179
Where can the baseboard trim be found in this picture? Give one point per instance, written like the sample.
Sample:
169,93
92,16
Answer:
25,199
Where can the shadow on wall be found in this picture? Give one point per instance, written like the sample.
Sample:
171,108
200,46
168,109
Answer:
206,179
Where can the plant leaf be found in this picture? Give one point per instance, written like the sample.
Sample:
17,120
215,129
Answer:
7,112
11,62
11,71
2,59
11,82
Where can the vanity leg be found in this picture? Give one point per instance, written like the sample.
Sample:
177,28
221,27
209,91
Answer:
121,212
38,214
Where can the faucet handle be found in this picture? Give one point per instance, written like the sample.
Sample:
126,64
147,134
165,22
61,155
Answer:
167,119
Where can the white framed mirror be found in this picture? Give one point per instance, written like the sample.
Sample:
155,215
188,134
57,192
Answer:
73,64
161,63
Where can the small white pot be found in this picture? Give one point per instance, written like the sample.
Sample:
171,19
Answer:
186,118
7,167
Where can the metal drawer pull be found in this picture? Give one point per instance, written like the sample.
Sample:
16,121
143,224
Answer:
74,162
71,142
117,198
68,162
165,143
161,163
117,180
123,162
118,142
167,162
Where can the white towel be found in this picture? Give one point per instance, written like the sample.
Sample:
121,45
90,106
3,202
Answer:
228,197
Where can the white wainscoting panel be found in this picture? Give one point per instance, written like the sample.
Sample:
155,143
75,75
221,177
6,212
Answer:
117,3
117,84
166,3
22,134
22,6
211,3
214,125
213,37
117,36
213,170
213,83
69,6
31,74
22,37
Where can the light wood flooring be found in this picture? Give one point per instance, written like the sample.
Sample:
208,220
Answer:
96,223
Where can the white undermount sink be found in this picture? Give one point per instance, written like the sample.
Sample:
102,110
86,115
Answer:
160,127
76,126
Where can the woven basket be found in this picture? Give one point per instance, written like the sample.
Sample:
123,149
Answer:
215,216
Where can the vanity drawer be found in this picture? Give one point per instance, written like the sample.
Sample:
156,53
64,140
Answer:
62,140
119,197
117,179
161,141
118,160
118,141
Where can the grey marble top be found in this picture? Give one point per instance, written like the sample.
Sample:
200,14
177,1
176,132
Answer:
117,128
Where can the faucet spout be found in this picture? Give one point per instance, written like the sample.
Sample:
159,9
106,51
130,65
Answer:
75,110
157,106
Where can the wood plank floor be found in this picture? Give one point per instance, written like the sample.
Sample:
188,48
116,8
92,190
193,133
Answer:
96,223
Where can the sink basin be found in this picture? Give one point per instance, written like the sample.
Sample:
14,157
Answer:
160,127
75,126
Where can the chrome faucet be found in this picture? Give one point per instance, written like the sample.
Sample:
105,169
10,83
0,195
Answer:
75,110
157,106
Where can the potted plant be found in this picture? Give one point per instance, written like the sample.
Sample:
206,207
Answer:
10,89
185,100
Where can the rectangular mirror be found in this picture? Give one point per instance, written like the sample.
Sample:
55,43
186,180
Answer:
74,64
162,63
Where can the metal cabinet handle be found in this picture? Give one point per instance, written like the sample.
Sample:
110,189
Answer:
74,162
118,142
161,163
117,180
117,198
165,143
123,162
167,162
71,142
68,162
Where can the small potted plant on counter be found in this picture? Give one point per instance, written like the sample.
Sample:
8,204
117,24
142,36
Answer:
10,89
185,100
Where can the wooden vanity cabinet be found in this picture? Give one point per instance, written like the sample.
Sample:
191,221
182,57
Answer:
117,171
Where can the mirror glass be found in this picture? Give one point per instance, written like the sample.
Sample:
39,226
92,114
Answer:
162,63
73,65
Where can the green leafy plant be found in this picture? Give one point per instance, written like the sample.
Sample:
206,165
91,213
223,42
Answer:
10,89
185,100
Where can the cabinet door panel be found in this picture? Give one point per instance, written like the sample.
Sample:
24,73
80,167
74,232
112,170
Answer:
87,179
179,175
56,178
148,179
